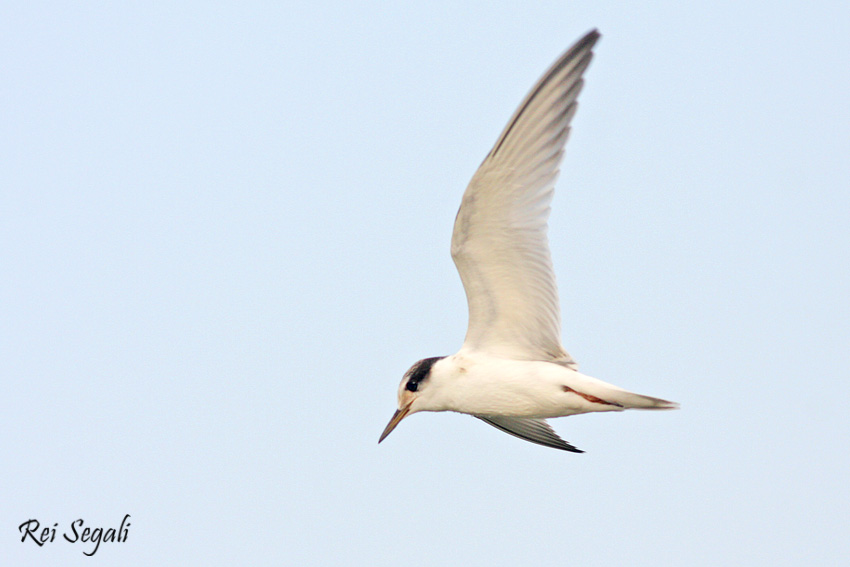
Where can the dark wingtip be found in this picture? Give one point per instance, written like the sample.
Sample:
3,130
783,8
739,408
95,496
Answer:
590,37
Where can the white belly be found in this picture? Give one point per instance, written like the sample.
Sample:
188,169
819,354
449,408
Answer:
482,385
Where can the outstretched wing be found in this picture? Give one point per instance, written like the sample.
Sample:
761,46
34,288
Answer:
499,243
534,430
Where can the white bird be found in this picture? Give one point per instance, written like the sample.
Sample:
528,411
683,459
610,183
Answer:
512,371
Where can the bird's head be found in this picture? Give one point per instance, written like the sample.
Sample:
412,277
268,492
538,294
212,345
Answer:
414,382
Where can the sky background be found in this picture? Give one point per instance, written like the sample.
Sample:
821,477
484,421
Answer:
224,237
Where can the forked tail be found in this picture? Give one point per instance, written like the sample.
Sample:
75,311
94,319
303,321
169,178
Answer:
637,401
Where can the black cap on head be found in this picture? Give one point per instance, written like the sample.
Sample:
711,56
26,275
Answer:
419,372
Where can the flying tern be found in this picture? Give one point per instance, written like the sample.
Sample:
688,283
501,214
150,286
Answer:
512,371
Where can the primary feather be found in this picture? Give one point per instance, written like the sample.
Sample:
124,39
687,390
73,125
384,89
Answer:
499,242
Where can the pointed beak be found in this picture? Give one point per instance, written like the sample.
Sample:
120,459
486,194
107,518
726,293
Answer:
396,419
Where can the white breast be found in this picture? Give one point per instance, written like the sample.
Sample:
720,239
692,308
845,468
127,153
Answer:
480,384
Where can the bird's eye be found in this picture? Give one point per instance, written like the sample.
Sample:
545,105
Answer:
412,385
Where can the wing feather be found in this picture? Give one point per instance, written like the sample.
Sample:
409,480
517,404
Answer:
534,430
499,243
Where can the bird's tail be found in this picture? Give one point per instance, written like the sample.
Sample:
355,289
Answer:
637,401
605,393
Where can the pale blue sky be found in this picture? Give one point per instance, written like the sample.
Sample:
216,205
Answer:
224,236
